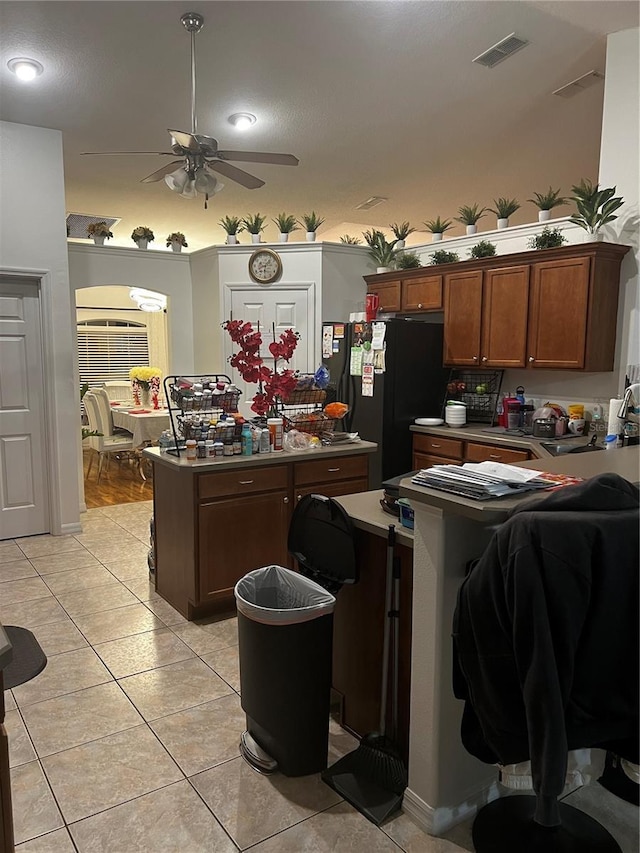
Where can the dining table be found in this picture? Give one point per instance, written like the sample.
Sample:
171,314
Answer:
146,425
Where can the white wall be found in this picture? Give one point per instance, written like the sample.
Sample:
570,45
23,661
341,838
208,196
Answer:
343,286
207,334
165,272
619,166
33,238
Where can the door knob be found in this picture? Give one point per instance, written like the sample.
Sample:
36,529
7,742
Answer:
531,358
484,358
419,304
475,358
298,497
286,500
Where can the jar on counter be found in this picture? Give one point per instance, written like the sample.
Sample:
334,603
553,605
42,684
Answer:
192,452
275,426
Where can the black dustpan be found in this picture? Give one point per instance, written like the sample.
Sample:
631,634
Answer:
373,777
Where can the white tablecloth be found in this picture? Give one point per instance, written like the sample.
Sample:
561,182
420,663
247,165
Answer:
144,428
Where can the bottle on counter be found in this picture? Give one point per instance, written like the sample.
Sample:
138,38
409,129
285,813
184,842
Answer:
275,427
210,452
236,447
201,450
192,452
246,439
611,442
218,449
265,441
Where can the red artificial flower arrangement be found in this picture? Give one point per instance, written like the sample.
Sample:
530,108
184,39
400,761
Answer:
250,364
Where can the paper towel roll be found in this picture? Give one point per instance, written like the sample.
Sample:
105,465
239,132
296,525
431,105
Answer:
614,424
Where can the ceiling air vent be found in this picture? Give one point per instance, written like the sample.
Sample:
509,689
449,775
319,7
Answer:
500,51
373,201
77,223
579,84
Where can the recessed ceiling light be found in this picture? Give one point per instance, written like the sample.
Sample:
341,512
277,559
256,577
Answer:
25,69
242,121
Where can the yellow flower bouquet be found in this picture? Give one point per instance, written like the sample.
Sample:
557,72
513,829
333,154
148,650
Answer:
144,375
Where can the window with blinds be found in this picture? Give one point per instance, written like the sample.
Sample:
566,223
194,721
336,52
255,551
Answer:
107,349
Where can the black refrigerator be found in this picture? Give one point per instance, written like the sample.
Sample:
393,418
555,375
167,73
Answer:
409,382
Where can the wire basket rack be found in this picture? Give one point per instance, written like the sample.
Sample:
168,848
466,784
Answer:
191,414
480,395
313,423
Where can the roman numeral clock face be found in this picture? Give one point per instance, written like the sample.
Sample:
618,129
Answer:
265,266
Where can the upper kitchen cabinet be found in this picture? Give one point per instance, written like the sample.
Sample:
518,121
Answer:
417,291
551,309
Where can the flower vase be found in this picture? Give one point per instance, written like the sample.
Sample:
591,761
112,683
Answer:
544,215
154,400
98,239
176,246
142,243
135,392
145,397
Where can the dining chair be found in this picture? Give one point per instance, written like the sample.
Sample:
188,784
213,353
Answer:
105,408
118,390
106,444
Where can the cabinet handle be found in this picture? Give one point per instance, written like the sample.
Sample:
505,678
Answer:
484,358
475,358
434,445
246,482
332,470
298,497
419,304
531,358
285,500
495,456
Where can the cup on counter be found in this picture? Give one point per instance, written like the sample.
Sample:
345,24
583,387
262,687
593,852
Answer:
577,426
372,303
576,411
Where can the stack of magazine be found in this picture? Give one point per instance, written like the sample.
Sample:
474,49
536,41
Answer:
483,481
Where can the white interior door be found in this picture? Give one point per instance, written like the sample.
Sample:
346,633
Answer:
274,310
24,505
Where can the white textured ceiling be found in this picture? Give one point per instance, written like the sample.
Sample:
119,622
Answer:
375,98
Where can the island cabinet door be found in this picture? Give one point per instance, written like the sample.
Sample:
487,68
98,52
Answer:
236,536
558,314
505,309
462,317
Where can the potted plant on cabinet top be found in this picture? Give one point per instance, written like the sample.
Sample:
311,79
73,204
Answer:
255,226
350,241
311,223
381,251
142,236
441,256
286,224
483,249
545,202
503,209
99,231
232,226
437,227
595,207
549,238
408,260
401,233
177,240
469,216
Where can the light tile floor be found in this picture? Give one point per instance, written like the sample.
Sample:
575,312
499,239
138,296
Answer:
127,742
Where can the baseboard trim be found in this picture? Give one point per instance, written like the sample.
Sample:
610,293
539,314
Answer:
436,821
83,507
70,529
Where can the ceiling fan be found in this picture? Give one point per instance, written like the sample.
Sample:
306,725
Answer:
200,153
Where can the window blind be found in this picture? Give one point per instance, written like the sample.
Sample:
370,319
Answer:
109,352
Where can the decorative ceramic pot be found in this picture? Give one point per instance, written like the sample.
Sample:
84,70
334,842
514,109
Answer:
142,243
589,237
471,229
399,244
436,237
98,239
145,396
503,223
176,246
255,238
284,236
544,215
311,236
232,239
382,269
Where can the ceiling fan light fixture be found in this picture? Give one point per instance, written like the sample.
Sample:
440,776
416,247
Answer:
177,180
25,69
205,183
242,121
189,189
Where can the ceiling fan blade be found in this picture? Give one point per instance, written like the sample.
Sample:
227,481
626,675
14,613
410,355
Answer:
238,175
259,157
188,141
157,176
160,153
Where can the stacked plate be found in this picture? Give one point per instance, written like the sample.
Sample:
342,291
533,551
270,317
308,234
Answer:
455,414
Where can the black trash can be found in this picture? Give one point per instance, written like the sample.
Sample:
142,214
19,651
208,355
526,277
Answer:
285,626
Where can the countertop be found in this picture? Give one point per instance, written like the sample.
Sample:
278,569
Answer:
624,461
229,463
478,432
367,514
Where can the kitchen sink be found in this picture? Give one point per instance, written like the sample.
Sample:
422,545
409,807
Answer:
562,448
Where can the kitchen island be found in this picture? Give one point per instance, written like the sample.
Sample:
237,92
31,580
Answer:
217,519
447,784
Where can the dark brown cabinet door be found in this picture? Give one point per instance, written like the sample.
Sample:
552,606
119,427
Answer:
332,490
462,317
505,309
422,294
389,295
558,313
237,535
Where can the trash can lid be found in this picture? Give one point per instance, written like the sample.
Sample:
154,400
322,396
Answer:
322,541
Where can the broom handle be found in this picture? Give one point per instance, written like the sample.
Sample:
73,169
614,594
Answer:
391,539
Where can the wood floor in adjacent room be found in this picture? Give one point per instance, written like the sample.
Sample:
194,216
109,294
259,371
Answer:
120,483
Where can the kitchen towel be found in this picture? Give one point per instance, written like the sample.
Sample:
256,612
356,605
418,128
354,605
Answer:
614,425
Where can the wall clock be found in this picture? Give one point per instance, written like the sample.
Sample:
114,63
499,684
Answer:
265,266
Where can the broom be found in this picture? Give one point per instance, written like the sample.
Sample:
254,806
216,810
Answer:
373,777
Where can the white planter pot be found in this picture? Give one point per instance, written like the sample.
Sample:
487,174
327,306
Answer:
544,215
399,244
471,229
382,269
232,239
99,239
255,238
142,243
436,237
175,246
311,236
593,238
503,223
284,236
